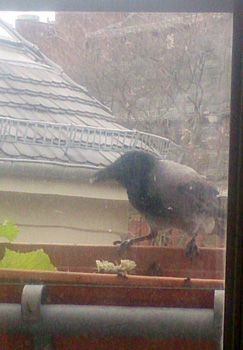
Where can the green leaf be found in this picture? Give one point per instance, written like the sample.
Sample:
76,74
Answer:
36,260
8,230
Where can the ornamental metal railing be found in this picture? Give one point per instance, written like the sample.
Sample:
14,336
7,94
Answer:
86,137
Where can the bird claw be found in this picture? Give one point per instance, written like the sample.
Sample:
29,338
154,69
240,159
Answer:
123,245
192,249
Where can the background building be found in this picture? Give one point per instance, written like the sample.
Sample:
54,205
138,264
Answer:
54,135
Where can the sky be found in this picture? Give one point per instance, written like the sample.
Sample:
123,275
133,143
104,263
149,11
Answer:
11,16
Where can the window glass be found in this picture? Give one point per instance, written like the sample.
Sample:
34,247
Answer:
81,90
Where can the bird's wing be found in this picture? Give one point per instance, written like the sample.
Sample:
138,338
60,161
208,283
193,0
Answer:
183,189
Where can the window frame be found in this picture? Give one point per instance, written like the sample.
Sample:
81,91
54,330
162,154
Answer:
233,325
233,335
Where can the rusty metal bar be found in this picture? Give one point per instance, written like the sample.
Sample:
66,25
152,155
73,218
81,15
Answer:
119,6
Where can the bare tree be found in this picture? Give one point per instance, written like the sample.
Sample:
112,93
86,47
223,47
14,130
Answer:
160,73
154,75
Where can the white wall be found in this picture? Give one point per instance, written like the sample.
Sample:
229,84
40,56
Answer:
64,219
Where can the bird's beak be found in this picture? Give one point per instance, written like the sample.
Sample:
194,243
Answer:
92,180
101,175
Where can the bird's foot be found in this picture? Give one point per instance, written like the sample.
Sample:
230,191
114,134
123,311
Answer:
123,245
192,249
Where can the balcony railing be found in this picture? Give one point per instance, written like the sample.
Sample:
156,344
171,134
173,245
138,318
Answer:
86,137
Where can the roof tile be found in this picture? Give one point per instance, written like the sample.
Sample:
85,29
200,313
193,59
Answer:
35,89
10,150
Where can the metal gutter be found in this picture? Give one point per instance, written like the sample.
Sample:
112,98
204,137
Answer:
39,319
50,162
119,321
45,170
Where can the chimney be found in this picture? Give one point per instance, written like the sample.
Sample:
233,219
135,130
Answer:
28,17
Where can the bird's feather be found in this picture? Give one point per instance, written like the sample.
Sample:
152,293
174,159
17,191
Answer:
168,194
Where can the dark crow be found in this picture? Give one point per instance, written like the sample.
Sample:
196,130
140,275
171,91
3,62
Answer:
168,194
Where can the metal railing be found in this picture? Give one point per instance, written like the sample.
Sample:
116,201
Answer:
87,137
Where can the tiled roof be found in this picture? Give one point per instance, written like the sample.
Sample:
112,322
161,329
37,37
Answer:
41,108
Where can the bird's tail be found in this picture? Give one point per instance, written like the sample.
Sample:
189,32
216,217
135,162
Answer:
220,226
221,217
222,207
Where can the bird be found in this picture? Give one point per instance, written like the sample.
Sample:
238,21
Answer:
167,194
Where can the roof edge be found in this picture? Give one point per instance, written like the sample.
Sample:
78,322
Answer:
34,49
42,169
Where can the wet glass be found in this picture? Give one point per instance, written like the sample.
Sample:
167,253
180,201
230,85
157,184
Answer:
95,87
